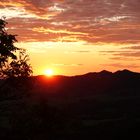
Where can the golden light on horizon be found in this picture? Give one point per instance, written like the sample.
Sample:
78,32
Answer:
49,72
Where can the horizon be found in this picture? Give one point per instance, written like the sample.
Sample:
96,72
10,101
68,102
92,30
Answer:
71,37
121,70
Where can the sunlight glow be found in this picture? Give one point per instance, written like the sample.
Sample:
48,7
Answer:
49,72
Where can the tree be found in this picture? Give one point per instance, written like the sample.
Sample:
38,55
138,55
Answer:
13,60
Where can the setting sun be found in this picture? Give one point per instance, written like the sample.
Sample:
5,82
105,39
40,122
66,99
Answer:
49,72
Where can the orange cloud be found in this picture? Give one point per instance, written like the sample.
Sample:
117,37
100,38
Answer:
90,21
43,30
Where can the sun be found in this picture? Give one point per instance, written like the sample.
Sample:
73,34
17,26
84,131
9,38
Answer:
49,72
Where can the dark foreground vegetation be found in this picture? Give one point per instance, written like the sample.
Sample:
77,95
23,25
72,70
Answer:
100,105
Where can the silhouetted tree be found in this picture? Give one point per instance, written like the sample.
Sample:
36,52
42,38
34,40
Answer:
19,67
13,60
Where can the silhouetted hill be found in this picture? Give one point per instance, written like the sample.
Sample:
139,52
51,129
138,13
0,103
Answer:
89,84
97,105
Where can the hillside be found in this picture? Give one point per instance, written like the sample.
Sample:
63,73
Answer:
97,105
90,84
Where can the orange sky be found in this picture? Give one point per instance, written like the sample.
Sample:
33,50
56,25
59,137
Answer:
76,36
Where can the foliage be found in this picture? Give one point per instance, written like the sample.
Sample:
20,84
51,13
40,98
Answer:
19,67
13,60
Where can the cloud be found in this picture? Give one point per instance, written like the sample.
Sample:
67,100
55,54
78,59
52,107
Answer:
128,54
132,48
92,21
80,51
122,53
122,58
46,31
119,65
67,65
83,51
39,8
106,52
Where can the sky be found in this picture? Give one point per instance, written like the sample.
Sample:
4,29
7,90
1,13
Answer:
74,37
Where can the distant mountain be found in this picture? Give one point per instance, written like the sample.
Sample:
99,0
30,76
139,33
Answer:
90,84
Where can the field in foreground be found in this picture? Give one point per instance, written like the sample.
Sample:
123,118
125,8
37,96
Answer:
100,105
